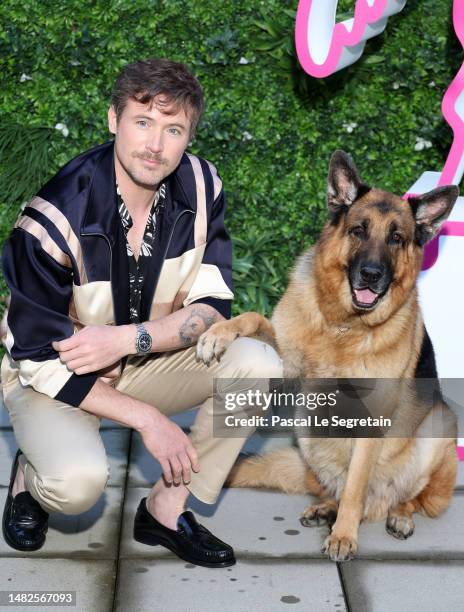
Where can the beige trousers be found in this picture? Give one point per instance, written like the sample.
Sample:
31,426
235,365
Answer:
66,468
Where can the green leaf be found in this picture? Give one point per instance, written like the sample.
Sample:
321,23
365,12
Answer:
24,160
374,59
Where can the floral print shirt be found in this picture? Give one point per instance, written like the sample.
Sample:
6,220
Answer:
137,267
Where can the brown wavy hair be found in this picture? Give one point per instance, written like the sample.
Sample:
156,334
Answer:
167,84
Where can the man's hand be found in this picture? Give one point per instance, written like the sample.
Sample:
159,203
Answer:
162,438
171,447
95,347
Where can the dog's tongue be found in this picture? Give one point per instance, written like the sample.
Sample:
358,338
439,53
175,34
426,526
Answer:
365,296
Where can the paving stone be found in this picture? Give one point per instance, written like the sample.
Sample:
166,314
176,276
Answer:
116,442
7,452
170,586
439,538
382,586
93,534
93,581
144,470
185,419
261,443
4,416
265,524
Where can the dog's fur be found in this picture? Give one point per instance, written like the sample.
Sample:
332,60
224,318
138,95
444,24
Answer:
351,310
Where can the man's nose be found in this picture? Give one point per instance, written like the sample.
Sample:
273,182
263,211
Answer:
155,143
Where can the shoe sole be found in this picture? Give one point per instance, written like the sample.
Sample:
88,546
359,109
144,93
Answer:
148,538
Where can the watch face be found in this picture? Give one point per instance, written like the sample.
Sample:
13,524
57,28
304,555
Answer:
144,343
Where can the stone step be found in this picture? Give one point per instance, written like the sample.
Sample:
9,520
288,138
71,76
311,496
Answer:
406,586
92,580
168,585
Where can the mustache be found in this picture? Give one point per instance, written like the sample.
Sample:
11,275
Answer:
157,158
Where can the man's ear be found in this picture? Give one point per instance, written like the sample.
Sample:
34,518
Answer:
431,210
344,183
112,120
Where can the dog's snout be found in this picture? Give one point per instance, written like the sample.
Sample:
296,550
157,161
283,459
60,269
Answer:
371,272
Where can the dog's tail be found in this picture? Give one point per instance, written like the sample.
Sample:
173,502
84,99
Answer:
283,469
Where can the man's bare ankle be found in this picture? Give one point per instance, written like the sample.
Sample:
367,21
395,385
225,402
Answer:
166,505
167,516
19,484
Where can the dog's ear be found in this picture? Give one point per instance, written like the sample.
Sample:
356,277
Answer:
344,183
431,210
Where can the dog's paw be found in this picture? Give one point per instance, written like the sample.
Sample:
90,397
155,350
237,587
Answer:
319,514
401,527
213,343
340,548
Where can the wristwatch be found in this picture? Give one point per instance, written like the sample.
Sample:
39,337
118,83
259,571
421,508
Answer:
143,340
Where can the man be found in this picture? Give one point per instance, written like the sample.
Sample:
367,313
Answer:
115,269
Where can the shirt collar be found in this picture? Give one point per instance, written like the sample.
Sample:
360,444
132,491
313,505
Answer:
126,219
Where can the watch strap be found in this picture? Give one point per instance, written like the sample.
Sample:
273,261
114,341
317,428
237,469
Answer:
141,330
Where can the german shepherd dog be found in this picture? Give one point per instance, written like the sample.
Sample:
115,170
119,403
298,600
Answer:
351,310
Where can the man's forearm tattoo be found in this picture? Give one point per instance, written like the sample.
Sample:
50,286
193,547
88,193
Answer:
199,320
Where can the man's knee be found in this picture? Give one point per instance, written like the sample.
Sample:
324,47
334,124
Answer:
76,489
250,358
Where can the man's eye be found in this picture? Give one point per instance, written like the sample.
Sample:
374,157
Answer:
142,123
174,131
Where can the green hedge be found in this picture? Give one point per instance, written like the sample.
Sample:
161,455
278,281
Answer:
269,129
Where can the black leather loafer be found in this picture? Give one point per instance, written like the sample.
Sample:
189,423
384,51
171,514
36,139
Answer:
191,541
25,522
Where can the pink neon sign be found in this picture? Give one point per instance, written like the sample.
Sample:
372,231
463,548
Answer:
453,111
323,46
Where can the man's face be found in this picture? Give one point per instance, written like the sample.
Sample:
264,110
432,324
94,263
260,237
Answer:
149,143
